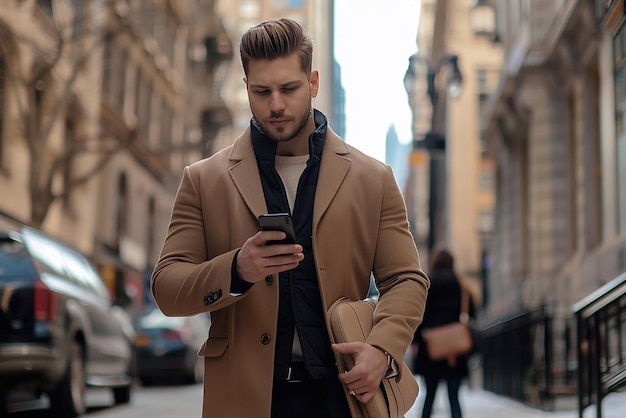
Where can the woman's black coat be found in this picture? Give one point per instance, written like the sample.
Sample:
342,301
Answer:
442,307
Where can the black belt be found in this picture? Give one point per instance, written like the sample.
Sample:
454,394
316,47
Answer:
296,373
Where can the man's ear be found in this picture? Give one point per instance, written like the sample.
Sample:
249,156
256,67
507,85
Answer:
245,80
314,82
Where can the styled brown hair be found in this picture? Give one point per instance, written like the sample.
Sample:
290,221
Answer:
276,38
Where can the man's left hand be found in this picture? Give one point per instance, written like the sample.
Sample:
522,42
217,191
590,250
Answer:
370,366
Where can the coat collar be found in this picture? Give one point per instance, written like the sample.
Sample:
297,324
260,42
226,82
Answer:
244,173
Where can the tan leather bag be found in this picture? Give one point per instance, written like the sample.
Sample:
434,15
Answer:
451,340
352,321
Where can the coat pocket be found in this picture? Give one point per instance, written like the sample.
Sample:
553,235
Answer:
213,347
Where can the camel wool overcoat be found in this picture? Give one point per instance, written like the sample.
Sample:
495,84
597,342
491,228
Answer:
359,227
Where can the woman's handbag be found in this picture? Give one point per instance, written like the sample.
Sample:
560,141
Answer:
352,321
447,342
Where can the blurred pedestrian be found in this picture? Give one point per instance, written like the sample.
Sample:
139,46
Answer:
268,353
442,307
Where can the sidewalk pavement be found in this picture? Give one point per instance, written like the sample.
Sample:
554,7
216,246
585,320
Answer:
478,403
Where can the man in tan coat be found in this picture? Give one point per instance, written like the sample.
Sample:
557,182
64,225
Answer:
268,352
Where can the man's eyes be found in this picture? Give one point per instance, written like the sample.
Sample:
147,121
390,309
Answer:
284,90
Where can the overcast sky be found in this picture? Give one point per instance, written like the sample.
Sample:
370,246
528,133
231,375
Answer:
373,42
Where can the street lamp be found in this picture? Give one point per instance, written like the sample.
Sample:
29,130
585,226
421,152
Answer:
482,19
454,82
434,140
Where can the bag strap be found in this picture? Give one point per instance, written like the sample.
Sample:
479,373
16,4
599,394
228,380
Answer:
464,315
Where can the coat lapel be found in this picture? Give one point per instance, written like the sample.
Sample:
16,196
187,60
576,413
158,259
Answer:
245,174
333,170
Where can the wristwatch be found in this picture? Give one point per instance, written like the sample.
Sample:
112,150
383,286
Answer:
392,367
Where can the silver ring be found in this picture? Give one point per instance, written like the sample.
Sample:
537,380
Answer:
352,392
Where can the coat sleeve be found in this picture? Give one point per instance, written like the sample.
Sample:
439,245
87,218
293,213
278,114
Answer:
402,284
184,281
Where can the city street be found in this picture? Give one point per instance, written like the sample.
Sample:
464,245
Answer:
176,401
185,402
466,157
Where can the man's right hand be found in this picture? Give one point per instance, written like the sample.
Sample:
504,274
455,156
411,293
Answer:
256,260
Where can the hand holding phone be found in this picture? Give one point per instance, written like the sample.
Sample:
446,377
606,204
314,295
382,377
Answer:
278,222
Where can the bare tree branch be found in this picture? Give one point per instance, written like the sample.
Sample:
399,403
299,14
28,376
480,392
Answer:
82,148
71,38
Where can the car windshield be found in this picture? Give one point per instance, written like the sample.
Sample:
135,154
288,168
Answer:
15,262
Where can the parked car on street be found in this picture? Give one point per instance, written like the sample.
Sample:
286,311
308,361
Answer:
167,347
59,331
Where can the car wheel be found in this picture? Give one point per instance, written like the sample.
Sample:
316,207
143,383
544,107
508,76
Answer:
4,408
121,395
68,399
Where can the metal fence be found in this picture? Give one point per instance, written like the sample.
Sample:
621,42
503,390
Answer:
601,344
530,357
535,358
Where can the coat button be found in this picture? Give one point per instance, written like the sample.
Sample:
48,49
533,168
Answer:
269,280
265,339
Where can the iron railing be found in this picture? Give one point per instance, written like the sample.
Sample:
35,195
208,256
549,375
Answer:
601,344
530,357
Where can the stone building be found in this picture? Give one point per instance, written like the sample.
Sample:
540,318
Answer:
121,92
555,131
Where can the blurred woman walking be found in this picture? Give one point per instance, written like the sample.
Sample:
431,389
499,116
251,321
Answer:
443,306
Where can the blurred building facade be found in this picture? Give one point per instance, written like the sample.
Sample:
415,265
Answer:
139,77
535,150
462,188
556,132
317,17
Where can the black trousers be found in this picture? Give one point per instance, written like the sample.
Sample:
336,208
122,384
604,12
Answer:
432,384
309,399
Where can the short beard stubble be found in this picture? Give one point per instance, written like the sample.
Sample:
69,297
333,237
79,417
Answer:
301,123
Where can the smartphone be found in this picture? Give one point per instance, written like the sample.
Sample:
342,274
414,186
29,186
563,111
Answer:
278,222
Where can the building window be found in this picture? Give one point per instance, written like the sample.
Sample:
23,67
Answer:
3,80
153,137
151,225
121,78
115,60
486,81
122,210
144,109
166,124
71,141
138,78
572,178
592,163
107,69
619,49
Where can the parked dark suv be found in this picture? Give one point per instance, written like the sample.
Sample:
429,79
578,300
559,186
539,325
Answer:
59,332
